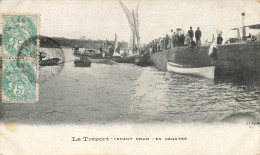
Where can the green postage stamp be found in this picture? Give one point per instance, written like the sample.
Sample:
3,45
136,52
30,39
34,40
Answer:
20,65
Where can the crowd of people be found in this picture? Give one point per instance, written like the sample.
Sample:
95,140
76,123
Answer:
175,39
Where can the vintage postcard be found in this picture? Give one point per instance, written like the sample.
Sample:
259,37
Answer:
130,77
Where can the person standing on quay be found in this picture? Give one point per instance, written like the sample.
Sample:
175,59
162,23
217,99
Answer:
187,40
175,39
101,51
171,38
150,48
167,42
159,44
198,36
153,46
182,38
219,40
163,44
191,34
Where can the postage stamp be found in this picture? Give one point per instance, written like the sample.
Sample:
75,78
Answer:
19,86
19,78
16,29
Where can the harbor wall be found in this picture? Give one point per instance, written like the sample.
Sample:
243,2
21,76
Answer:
239,60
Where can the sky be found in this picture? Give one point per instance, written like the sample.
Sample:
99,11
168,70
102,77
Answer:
101,19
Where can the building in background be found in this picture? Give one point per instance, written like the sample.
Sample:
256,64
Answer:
82,38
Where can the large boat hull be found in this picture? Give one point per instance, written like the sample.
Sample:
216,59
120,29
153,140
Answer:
98,59
198,56
104,60
138,60
207,72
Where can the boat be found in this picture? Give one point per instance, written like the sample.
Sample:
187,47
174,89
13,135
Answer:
104,59
75,50
95,56
143,61
129,59
79,63
50,62
45,60
133,20
82,62
207,71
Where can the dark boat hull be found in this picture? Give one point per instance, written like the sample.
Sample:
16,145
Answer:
98,59
143,61
138,60
50,62
130,59
104,60
79,63
198,56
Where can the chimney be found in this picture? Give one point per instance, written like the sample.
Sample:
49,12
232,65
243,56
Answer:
243,26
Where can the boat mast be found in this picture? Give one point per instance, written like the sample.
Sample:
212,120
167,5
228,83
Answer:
133,31
133,23
137,27
133,42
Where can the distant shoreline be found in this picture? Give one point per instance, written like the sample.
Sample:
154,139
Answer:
65,42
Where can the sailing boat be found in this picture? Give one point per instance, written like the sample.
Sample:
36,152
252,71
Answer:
133,21
134,43
117,48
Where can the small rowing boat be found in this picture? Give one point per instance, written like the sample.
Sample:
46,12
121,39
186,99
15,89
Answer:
207,71
82,62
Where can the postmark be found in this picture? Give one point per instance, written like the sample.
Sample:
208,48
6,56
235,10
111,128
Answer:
19,80
50,51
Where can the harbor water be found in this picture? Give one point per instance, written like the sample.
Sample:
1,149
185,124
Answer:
126,93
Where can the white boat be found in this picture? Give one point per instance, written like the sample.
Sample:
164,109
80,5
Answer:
207,72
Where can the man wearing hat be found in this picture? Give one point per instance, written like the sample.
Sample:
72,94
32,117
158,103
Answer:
191,34
198,36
